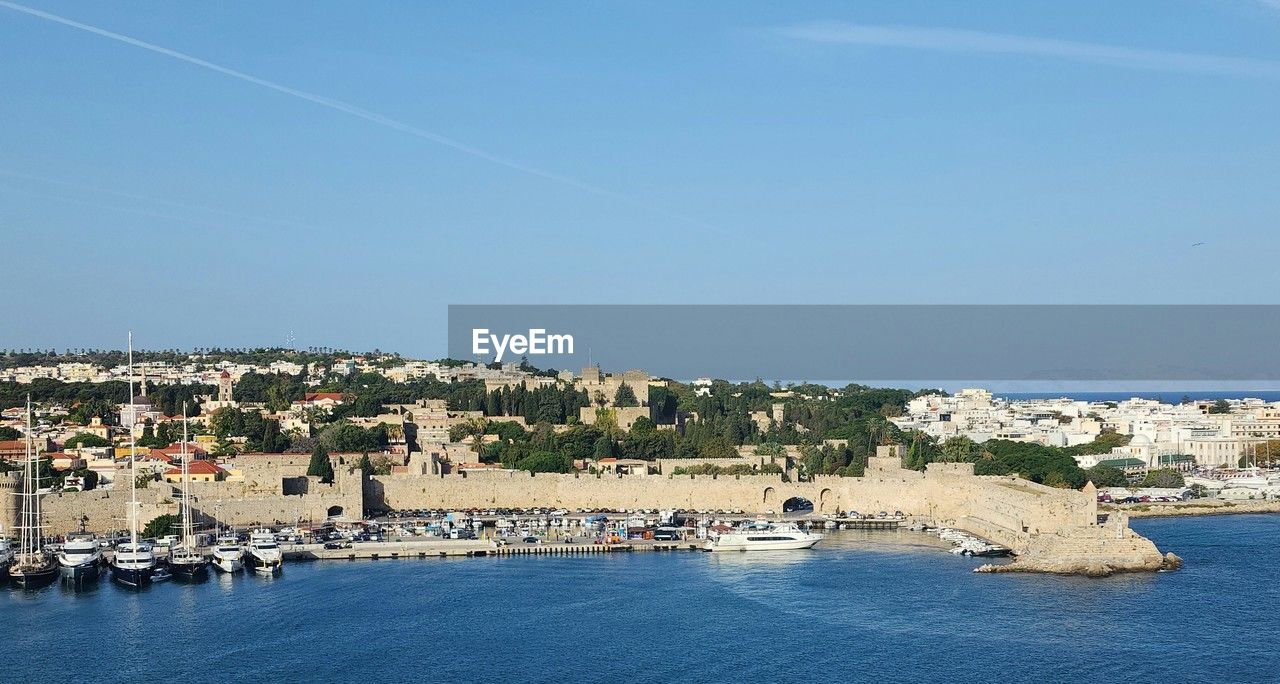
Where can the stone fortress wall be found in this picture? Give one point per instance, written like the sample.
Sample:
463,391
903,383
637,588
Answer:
275,490
1053,528
1030,518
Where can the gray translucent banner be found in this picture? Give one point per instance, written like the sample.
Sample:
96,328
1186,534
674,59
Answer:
903,342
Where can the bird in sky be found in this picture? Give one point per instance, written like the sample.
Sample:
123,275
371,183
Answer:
1197,244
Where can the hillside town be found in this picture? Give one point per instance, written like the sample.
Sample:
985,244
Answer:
1215,433
399,415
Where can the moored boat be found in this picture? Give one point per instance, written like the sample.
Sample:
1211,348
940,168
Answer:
133,564
186,563
6,559
264,555
228,555
80,560
32,566
764,537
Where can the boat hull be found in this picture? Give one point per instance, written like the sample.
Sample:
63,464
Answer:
190,572
779,545
83,572
228,565
134,578
33,579
263,566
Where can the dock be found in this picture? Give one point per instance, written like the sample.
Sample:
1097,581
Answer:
473,549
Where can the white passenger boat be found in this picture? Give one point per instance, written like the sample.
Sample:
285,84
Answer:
228,555
264,555
764,537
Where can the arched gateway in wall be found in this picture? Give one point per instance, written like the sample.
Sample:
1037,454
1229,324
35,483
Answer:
826,502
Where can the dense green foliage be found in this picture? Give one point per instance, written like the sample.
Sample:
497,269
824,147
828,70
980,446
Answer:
84,439
161,526
1163,477
320,465
1107,476
100,399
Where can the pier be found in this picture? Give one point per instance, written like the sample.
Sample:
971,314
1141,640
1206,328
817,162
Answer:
473,549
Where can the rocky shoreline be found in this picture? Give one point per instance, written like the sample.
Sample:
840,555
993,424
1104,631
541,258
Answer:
1169,561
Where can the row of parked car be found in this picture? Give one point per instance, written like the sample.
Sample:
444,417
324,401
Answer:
1107,498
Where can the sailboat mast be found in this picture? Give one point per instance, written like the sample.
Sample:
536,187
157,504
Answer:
133,457
33,452
27,544
186,489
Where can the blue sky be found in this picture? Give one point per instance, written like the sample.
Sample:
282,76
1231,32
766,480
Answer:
844,152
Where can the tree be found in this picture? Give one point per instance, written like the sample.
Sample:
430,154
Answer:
958,449
1106,476
1220,406
625,396
545,462
90,478
320,465
642,426
1164,478
161,526
365,466
85,439
8,433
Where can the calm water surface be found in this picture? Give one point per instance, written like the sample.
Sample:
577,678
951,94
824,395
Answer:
864,606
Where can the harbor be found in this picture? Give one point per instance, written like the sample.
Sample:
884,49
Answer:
860,584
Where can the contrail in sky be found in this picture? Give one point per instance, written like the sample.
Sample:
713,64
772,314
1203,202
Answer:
345,108
965,41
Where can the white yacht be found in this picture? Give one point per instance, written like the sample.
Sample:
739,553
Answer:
264,555
228,555
80,559
760,536
134,564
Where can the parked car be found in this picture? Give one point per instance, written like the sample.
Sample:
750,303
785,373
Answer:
531,540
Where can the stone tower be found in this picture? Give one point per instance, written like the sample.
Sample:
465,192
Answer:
224,387
9,503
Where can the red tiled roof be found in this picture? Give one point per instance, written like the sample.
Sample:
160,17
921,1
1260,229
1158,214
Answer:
175,449
197,468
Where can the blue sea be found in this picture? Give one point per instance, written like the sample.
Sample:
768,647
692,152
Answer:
864,606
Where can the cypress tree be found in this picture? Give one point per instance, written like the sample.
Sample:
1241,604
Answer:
320,465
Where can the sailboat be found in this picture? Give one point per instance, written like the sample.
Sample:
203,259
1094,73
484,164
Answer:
134,564
185,560
32,566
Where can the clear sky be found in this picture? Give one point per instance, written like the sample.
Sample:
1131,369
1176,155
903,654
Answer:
225,173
